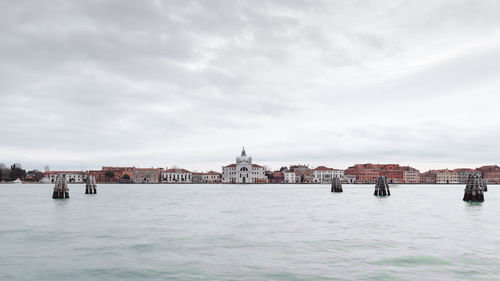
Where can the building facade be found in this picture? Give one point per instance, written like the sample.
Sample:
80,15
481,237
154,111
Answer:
243,171
411,175
324,174
491,173
428,177
394,173
120,174
447,176
71,176
365,173
303,174
288,176
147,175
176,175
196,177
464,173
348,179
211,177
278,177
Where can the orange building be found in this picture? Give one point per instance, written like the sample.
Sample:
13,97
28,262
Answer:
369,173
491,173
365,173
302,173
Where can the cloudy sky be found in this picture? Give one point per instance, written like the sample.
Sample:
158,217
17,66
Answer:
188,83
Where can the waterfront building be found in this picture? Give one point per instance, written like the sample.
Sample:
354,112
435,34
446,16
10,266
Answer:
147,175
349,178
109,174
70,176
118,174
464,173
491,173
196,177
322,174
393,173
428,177
99,176
211,177
243,171
447,176
289,176
177,175
411,175
303,174
364,173
278,177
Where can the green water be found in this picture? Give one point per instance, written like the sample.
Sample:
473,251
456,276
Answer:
248,232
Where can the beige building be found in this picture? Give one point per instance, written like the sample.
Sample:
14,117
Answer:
411,176
71,176
211,177
147,175
447,176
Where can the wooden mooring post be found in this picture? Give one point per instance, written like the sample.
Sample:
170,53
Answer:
381,187
336,185
61,189
485,186
474,189
90,185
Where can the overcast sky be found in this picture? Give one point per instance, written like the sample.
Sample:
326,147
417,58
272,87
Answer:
188,83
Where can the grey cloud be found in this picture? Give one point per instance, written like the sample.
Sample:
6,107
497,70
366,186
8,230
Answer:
187,82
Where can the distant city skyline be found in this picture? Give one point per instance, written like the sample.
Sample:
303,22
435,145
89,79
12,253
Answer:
334,83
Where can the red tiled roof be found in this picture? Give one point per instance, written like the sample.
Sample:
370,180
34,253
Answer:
257,166
462,169
230,166
144,169
323,168
488,167
64,172
177,171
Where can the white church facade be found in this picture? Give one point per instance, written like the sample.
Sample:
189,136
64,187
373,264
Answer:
243,171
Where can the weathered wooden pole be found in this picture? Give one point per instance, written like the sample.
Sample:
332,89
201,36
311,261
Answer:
485,186
381,187
336,185
61,189
474,189
90,185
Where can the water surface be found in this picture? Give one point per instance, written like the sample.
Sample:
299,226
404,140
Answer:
248,232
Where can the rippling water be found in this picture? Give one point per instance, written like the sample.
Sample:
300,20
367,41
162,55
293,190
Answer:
248,232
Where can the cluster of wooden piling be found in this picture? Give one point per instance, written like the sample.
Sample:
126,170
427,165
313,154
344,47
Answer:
61,189
474,189
485,186
381,187
90,185
336,185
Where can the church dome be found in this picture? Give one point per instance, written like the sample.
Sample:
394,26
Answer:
243,158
